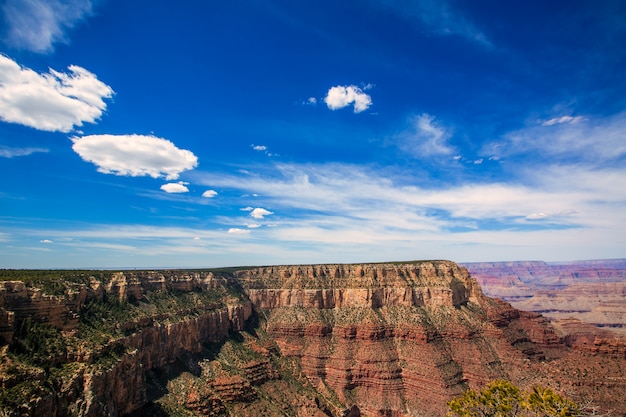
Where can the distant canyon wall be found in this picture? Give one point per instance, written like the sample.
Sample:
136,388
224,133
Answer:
591,291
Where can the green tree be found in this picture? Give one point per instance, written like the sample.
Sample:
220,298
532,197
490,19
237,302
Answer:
502,399
545,402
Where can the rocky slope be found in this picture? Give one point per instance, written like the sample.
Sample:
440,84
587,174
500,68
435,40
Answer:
319,340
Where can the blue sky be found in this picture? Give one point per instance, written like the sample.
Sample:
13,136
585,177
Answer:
200,134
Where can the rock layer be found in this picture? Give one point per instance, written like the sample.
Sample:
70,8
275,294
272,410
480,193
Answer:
109,379
395,340
591,291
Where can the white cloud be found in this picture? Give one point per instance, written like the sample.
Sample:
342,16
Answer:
311,101
345,197
237,231
36,25
209,194
425,138
554,216
134,155
563,119
45,241
55,102
259,148
340,96
259,213
347,213
538,216
175,187
7,152
343,212
579,139
253,226
247,208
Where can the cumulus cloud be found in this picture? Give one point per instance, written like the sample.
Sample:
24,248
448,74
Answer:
209,194
259,213
36,25
7,152
259,148
341,96
238,231
134,155
175,187
45,241
425,138
563,119
53,101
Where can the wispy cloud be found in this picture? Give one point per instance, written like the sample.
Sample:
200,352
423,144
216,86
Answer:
7,152
341,96
594,141
343,196
347,213
262,148
425,138
55,101
547,216
562,119
134,155
437,17
36,25
238,231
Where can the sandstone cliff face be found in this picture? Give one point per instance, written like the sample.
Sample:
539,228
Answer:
367,286
395,340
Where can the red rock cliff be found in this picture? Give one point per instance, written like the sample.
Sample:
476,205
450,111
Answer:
396,340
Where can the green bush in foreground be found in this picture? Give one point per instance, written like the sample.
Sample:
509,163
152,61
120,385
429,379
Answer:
503,399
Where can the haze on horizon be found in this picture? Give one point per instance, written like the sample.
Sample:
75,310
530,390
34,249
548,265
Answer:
137,134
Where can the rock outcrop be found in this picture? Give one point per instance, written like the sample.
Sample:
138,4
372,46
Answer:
107,375
394,340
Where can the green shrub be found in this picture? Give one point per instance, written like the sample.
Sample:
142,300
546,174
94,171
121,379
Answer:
503,399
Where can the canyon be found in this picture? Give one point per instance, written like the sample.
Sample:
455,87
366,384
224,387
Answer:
388,340
592,292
